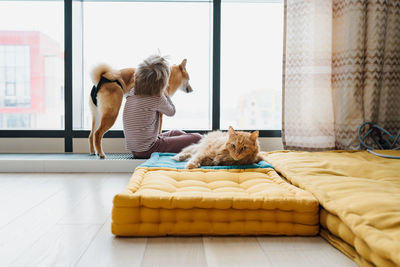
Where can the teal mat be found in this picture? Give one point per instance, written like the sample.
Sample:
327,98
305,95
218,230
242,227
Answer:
164,160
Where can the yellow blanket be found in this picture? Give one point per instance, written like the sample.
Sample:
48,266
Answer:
360,196
165,201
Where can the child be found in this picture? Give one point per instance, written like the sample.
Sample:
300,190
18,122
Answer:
141,116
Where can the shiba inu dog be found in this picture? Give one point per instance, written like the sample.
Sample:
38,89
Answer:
108,91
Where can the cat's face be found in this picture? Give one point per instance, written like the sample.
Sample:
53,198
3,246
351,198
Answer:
242,144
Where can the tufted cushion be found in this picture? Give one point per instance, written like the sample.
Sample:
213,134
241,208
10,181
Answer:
359,194
165,201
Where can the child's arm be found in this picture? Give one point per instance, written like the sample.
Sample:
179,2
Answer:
166,106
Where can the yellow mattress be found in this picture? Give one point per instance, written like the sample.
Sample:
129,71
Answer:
162,201
359,194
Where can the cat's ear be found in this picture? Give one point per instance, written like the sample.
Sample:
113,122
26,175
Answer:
231,131
254,135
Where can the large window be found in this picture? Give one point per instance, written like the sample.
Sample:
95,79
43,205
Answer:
135,30
251,65
233,50
31,65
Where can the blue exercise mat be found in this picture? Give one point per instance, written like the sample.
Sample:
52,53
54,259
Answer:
164,160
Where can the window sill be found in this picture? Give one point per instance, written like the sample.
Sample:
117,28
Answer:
66,162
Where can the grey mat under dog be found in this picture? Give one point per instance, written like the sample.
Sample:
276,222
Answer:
115,156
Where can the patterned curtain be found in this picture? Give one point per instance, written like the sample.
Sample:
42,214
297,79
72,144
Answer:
341,68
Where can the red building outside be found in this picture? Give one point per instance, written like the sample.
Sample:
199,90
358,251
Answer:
31,81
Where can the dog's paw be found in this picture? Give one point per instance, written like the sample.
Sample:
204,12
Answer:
192,165
102,156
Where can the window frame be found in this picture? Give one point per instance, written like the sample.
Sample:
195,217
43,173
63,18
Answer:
69,134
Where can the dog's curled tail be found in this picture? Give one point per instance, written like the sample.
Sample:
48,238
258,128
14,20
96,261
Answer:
98,71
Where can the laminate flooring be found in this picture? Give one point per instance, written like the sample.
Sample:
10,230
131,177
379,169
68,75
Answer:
63,219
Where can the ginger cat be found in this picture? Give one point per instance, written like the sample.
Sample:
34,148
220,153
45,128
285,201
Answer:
222,148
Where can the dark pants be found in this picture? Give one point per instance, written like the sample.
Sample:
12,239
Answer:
172,141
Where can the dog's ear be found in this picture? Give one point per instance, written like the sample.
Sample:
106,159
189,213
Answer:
183,64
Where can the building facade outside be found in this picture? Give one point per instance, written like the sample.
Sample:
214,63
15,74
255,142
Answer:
31,81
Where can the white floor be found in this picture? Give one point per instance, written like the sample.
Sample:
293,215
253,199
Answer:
61,219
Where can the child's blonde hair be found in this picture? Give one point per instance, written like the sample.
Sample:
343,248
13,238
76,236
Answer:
151,76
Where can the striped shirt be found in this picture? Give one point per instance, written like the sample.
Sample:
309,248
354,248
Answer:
141,119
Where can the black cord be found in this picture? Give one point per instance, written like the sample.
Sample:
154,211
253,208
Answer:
381,137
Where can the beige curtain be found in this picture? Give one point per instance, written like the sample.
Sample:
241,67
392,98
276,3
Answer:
341,68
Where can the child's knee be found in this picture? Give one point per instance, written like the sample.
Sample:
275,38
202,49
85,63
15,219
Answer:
175,132
196,137
179,132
